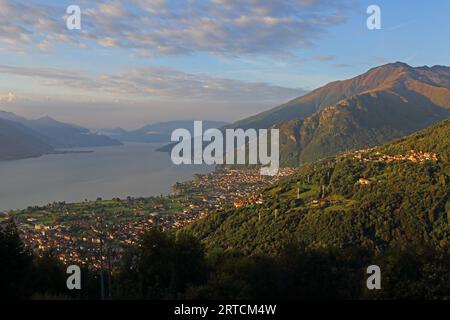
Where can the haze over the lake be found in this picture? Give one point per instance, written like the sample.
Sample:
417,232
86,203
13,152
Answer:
120,171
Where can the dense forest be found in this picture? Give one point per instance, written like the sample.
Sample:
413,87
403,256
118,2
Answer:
377,198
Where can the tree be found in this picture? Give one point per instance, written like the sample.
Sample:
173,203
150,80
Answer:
16,265
49,276
161,266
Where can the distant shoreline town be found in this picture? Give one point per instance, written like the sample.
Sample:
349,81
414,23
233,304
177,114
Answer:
82,232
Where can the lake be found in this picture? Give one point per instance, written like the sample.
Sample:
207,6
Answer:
136,170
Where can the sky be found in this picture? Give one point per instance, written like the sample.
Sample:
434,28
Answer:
141,61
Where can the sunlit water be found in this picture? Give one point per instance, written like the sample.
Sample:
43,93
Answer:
131,170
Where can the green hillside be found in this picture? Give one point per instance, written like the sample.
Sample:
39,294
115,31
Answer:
376,198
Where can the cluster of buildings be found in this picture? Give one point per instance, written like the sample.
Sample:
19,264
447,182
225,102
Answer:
62,242
237,187
251,200
412,155
96,243
96,238
83,242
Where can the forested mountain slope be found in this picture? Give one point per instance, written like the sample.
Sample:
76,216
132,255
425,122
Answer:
393,195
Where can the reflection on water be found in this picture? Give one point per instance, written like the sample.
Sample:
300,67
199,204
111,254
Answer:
131,170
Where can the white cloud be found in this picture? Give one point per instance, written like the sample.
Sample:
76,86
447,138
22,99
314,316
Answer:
158,82
220,27
8,97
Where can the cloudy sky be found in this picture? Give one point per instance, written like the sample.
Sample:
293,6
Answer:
140,61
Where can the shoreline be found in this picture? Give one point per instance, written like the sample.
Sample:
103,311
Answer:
135,170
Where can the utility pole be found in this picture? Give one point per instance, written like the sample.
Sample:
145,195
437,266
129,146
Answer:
98,229
109,274
102,283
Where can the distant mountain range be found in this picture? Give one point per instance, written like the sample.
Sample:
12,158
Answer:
23,138
383,104
157,132
18,141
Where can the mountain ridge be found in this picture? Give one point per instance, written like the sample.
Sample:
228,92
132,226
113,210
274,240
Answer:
19,142
61,135
336,91
383,104
158,131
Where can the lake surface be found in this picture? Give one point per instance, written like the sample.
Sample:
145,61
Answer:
136,170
